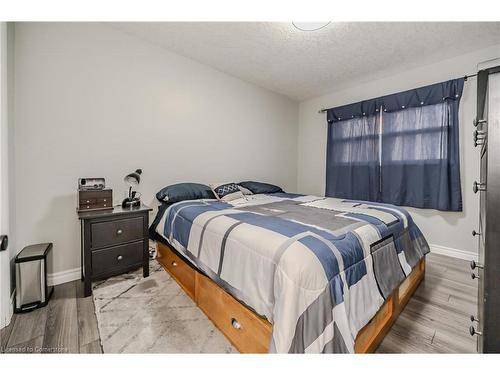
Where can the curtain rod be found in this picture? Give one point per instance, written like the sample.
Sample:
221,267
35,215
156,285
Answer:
323,110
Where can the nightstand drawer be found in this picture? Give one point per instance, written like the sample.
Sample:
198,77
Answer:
90,201
95,206
114,232
84,195
94,199
108,261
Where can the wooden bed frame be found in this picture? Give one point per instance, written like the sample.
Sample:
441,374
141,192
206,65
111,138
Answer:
250,333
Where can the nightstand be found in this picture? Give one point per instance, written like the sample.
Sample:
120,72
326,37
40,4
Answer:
113,242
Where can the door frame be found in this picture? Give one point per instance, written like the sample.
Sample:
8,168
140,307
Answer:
6,307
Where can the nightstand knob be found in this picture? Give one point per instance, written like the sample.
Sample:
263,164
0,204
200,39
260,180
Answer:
119,231
119,257
88,201
104,200
174,263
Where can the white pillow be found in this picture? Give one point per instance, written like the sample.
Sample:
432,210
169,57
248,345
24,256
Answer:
244,190
227,192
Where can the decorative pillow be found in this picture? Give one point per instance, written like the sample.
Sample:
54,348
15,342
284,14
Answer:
184,191
245,191
260,187
227,192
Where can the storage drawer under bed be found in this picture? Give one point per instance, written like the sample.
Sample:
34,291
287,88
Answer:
248,332
178,268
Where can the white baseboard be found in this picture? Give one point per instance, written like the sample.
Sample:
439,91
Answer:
455,253
5,320
63,276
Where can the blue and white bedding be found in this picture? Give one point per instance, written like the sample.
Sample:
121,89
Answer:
317,268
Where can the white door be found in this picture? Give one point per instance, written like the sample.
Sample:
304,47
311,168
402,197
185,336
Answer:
5,306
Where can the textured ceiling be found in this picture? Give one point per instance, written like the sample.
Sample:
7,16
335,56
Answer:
306,64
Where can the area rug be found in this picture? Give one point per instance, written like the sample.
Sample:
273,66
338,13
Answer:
152,315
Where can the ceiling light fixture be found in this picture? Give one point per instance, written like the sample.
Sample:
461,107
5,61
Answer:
310,26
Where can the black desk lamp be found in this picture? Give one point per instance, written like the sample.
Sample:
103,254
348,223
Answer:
134,198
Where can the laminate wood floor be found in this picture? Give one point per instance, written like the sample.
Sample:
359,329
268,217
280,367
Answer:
437,317
435,320
66,325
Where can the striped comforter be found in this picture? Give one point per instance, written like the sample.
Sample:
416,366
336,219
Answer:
317,268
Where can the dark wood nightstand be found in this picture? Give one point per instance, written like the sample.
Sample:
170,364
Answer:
113,242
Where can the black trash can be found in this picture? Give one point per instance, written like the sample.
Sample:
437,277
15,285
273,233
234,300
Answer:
32,291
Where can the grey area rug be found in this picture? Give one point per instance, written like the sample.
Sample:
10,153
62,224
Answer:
152,315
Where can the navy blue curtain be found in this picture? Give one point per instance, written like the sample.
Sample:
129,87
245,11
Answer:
418,158
352,166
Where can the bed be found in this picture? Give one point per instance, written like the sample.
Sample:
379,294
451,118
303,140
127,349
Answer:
291,273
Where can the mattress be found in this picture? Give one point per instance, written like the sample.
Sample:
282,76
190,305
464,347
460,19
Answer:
317,268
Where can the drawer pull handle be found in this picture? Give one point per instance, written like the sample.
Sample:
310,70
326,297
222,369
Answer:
104,200
119,257
474,265
477,122
473,332
119,231
479,137
478,186
478,143
88,201
235,324
473,319
174,263
474,233
474,276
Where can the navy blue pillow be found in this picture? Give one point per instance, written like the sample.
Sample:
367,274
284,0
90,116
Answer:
260,187
184,191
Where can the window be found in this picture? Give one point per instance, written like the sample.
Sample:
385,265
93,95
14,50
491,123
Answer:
353,156
400,149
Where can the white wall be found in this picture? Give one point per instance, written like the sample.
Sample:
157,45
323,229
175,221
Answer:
92,101
445,229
